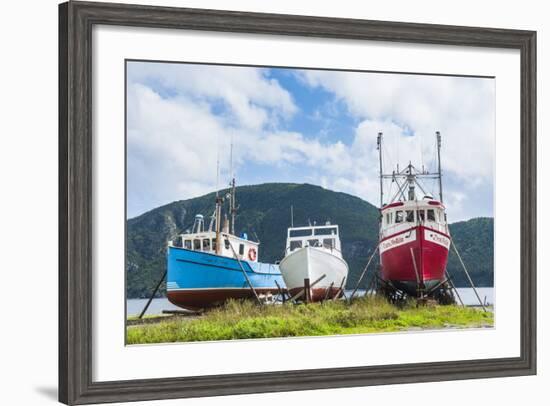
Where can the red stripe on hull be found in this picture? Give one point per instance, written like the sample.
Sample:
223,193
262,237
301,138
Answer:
203,298
430,257
317,294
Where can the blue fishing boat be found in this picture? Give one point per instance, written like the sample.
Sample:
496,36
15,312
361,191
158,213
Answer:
208,266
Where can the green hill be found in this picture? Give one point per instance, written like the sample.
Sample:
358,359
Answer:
474,240
264,214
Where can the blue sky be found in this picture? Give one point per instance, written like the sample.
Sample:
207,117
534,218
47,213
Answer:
291,125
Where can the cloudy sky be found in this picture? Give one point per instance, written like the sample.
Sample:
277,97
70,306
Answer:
313,126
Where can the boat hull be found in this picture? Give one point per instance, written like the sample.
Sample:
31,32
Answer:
417,250
197,280
312,263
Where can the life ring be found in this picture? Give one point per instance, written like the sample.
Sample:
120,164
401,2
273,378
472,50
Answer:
252,254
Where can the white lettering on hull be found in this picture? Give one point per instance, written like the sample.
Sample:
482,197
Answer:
437,238
401,239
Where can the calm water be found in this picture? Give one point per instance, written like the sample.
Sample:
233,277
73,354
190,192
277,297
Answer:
135,306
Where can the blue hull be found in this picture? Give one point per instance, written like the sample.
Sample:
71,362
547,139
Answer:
198,279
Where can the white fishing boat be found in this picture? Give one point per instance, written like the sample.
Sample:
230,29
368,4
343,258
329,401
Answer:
313,258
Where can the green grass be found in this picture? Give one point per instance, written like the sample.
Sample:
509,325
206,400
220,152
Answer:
245,320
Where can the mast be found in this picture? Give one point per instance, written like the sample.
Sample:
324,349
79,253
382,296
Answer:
410,176
219,201
379,147
232,205
438,137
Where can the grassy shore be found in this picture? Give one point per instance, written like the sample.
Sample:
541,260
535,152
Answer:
242,320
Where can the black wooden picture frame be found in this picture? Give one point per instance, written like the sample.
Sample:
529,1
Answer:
76,20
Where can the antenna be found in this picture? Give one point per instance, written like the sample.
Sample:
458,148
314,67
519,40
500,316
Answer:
438,137
379,147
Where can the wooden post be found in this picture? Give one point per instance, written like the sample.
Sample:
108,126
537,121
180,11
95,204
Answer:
152,295
436,286
281,293
329,290
301,292
337,295
307,290
417,275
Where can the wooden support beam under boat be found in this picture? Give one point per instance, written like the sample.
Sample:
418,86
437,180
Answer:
468,275
453,287
419,289
152,295
244,273
307,290
183,312
327,293
364,272
337,295
301,292
281,292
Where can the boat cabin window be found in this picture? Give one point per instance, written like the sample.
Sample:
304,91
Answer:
325,231
410,216
206,244
399,216
313,243
187,244
241,249
214,246
226,243
420,214
388,218
300,233
328,243
178,242
431,215
295,245
197,245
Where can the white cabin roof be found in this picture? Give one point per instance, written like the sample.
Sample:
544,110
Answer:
212,234
325,237
424,204
316,230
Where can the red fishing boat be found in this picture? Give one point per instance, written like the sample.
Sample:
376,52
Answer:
414,235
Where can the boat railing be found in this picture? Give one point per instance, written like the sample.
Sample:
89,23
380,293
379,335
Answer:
331,249
396,228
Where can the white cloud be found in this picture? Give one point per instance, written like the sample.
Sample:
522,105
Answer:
408,109
247,92
179,116
462,109
174,139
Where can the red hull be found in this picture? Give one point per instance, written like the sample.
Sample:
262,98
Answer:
418,246
194,299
